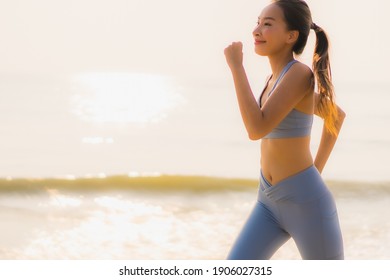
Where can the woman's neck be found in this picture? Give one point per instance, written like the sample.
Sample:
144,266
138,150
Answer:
278,63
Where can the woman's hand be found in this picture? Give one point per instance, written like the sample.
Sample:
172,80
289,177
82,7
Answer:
234,55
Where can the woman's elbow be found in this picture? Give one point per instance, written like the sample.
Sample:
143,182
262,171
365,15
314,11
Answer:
255,135
341,114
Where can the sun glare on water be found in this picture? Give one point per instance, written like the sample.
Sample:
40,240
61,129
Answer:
123,97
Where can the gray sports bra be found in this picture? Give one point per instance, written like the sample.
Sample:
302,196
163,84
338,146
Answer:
296,123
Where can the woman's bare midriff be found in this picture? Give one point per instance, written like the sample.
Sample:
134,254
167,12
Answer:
282,158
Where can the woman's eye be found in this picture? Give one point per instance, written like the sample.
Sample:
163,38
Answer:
265,24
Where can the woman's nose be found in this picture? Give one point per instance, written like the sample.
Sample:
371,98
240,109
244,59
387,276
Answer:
257,31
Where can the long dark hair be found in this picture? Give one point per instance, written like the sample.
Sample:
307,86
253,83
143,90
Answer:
298,17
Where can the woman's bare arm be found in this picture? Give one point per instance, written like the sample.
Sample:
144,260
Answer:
328,140
259,122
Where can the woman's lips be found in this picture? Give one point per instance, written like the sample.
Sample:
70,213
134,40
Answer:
257,42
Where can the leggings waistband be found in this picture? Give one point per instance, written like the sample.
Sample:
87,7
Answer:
264,182
303,186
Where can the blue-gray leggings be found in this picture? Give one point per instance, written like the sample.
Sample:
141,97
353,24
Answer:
300,207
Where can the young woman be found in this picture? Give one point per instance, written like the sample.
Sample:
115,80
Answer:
293,200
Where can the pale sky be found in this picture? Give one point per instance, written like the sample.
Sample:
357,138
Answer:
46,36
46,46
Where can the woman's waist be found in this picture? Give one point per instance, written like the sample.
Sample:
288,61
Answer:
305,186
286,149
281,160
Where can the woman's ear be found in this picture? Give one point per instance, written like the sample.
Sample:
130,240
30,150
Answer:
292,36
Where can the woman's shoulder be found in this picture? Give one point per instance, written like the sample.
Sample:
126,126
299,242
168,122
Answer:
298,80
302,69
302,74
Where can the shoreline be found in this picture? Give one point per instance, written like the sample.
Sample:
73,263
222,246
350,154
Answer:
163,183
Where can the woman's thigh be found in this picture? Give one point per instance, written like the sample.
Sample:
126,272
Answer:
260,237
315,228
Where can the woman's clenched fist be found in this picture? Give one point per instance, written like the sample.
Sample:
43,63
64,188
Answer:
234,55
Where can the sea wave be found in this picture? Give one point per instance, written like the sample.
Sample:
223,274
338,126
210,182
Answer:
128,183
166,183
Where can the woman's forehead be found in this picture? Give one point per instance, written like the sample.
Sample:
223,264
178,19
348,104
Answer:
271,11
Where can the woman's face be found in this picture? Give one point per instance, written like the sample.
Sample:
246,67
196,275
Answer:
271,34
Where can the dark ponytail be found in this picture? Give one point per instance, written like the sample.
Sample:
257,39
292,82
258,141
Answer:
298,17
323,74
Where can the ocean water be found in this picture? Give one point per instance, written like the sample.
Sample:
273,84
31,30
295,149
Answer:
163,217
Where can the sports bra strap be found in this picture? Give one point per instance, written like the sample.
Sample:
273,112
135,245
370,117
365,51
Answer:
285,69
